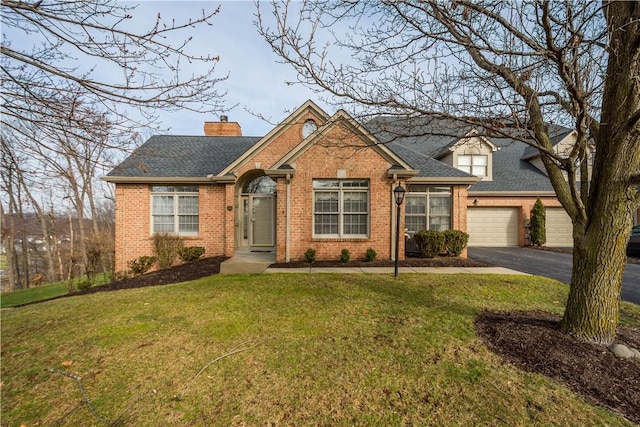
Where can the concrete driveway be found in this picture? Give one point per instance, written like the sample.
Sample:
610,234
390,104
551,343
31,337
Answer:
550,264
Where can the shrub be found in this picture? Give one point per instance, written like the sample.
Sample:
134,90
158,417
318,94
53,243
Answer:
370,255
190,253
85,284
538,230
345,255
455,241
115,276
166,247
141,265
430,243
310,255
93,251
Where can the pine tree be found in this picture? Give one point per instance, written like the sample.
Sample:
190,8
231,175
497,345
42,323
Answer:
538,230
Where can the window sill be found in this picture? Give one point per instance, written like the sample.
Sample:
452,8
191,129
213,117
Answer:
181,236
340,239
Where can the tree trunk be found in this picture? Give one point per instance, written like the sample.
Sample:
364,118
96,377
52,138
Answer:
599,256
47,236
8,231
599,259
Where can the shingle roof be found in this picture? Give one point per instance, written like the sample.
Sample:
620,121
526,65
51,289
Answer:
198,156
430,136
510,172
183,156
557,134
425,165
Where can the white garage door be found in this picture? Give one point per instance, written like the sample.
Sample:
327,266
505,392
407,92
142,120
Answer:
492,226
559,228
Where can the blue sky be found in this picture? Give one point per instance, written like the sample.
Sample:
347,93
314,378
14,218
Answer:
257,82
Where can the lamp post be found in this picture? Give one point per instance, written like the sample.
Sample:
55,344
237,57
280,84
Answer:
398,194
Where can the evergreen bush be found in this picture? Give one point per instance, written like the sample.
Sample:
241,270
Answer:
430,243
345,255
190,253
455,241
538,224
370,255
310,255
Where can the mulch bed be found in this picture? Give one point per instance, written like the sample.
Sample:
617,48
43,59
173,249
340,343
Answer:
408,262
179,273
532,341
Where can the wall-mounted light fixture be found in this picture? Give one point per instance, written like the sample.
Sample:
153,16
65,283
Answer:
475,202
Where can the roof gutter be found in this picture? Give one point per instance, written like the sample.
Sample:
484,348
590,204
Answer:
394,173
513,193
226,179
443,180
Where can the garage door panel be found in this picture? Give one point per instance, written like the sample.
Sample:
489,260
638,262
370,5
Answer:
558,227
492,226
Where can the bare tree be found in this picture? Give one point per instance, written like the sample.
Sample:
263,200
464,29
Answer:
73,74
15,237
82,42
508,68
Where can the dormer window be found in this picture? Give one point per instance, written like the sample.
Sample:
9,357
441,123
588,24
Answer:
475,164
472,154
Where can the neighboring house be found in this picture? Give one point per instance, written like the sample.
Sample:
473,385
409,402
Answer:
326,182
511,172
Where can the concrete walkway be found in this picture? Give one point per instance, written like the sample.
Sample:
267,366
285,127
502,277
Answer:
256,263
247,263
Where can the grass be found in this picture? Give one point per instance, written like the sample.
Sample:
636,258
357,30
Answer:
335,350
37,293
41,292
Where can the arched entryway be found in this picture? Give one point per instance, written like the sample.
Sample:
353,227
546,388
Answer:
257,221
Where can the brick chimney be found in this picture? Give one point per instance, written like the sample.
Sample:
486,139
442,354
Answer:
222,128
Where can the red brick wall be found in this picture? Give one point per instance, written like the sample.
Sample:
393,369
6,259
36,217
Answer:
459,210
339,150
133,216
222,129
283,142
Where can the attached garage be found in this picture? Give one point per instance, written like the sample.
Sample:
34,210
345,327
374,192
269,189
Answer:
493,226
559,228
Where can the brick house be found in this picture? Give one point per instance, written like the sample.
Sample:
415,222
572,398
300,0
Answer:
326,182
512,176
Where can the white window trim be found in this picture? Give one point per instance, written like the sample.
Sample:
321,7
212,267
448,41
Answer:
176,214
427,215
341,190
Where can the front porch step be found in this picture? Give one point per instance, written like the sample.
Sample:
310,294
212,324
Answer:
248,263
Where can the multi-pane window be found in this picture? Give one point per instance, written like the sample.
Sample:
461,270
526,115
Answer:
475,164
341,208
174,209
428,208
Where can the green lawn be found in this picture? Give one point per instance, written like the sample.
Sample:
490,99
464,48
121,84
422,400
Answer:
336,350
42,292
38,293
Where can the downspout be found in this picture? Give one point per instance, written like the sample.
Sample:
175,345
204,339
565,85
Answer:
287,250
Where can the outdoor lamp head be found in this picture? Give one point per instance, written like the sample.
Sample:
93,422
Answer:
398,193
